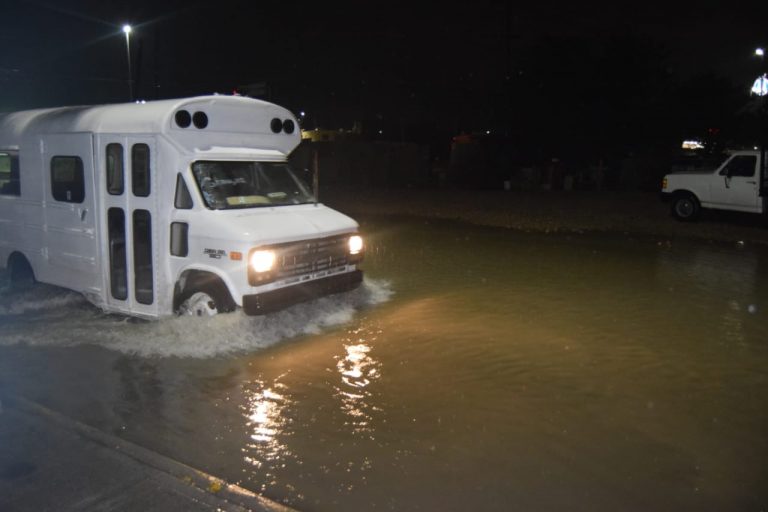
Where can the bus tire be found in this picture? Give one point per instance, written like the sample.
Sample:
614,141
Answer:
20,272
206,296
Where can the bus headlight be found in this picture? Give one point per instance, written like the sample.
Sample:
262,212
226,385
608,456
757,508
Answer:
261,266
355,245
262,261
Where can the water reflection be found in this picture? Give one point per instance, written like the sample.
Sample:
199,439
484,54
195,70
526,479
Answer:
265,420
733,323
729,278
358,370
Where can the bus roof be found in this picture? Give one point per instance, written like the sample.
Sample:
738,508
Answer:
190,121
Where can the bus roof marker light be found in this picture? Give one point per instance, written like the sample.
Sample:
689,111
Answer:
200,120
183,119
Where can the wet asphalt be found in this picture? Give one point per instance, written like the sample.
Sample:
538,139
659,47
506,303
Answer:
51,462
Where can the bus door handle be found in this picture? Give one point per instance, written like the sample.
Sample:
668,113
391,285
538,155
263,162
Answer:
83,212
752,182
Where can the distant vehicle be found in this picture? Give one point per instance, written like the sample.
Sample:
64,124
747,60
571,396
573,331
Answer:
185,206
734,184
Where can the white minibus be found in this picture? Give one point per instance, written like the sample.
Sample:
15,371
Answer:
173,206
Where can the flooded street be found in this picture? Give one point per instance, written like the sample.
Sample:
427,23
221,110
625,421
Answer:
476,369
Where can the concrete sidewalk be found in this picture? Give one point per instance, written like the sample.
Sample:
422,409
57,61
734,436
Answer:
51,462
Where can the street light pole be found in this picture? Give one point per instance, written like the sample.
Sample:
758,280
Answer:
127,30
762,183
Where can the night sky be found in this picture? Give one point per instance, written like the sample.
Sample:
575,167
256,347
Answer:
418,70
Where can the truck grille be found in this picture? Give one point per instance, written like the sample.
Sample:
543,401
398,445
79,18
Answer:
312,256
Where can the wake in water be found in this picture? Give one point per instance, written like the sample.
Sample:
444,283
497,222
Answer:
49,316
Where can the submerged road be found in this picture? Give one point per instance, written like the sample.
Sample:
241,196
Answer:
475,369
51,462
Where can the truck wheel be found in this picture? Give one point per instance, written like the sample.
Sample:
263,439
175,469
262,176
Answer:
20,272
686,207
207,300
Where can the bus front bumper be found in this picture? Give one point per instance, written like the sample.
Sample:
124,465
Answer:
267,302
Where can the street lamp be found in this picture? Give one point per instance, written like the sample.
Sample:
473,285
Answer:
760,86
127,30
761,89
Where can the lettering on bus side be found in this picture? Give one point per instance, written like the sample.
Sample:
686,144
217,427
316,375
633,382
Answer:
216,254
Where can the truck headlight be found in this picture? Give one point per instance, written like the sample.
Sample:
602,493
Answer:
262,261
355,245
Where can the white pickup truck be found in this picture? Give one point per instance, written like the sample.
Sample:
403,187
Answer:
736,184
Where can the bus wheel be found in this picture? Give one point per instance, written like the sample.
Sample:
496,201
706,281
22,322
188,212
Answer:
199,304
206,300
20,272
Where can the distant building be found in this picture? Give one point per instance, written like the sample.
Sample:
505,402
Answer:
323,135
326,135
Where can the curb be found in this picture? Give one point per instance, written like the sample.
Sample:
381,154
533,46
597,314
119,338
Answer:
187,476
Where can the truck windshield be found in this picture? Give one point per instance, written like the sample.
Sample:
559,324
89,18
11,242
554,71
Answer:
698,163
228,185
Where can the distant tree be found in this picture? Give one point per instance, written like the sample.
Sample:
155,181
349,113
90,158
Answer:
594,96
710,104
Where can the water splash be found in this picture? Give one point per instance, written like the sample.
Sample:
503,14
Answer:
47,316
37,298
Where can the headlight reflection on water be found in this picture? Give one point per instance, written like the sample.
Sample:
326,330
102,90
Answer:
265,422
263,416
354,366
358,370
282,417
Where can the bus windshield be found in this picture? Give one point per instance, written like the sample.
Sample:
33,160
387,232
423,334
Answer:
228,185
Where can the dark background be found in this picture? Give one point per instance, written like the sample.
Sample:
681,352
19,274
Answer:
571,79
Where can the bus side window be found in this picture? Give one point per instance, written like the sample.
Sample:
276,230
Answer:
9,174
179,239
183,199
118,266
115,179
142,257
67,179
140,170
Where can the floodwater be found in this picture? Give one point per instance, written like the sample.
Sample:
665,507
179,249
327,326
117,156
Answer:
477,369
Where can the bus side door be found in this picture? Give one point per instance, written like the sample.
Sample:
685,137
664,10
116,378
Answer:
70,220
127,167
